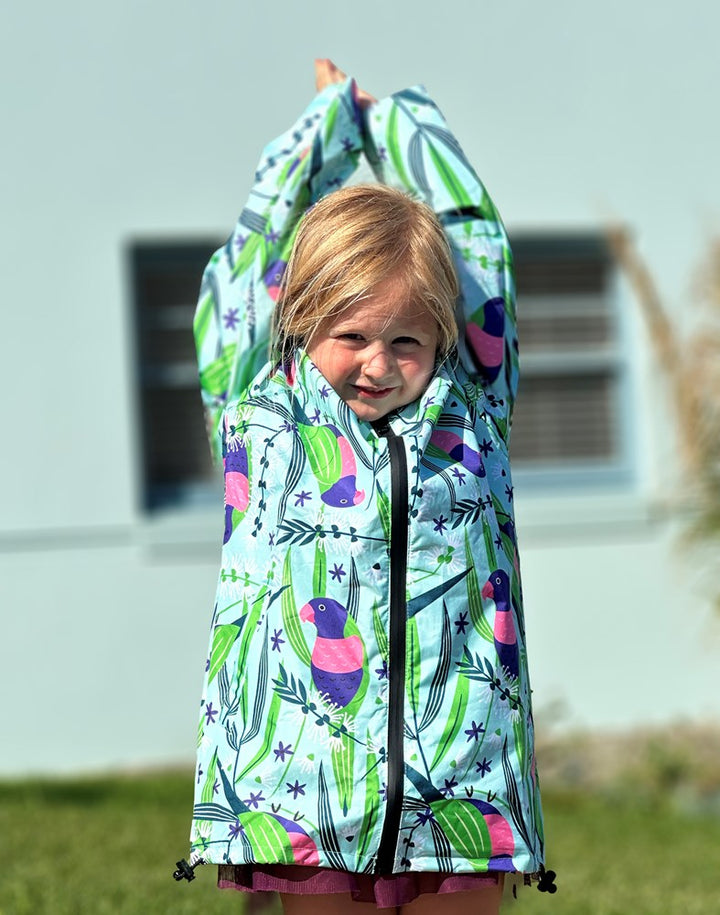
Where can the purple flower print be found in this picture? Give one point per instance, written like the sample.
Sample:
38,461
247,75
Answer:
424,817
475,731
276,640
210,713
231,318
440,523
235,829
254,799
337,572
450,784
486,447
462,622
483,767
301,497
282,751
295,789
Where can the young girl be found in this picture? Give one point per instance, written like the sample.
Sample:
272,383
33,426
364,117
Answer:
366,733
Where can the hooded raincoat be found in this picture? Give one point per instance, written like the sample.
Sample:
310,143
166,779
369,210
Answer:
366,704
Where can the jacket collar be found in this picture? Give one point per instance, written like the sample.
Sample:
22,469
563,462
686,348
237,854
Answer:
323,405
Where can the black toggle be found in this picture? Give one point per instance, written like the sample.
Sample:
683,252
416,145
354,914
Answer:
546,883
184,871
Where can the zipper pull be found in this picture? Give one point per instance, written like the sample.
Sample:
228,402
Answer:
382,427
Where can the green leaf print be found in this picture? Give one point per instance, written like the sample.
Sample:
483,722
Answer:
269,841
489,543
249,366
328,836
330,118
521,746
381,636
383,509
250,628
451,181
372,795
343,757
439,680
268,737
203,319
208,792
319,570
393,145
477,614
214,377
224,637
465,827
412,680
454,720
254,245
290,614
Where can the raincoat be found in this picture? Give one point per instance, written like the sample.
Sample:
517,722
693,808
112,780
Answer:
366,703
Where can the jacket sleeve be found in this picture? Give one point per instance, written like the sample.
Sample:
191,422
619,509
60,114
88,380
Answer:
409,146
241,282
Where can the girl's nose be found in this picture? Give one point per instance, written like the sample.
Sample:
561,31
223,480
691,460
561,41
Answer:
379,363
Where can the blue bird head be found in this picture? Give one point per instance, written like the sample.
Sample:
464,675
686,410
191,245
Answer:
343,493
497,588
328,615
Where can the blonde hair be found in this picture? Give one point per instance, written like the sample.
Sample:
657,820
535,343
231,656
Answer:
348,243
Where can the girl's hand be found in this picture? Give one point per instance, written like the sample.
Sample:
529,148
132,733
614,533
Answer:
326,73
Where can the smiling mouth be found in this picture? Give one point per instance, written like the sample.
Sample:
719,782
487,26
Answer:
373,393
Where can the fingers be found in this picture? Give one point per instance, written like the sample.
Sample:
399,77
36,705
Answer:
326,73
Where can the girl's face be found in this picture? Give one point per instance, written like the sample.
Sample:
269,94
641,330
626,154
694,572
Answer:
379,354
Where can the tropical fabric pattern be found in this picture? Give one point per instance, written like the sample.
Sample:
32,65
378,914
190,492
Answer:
366,703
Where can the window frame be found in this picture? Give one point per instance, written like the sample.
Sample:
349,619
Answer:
611,359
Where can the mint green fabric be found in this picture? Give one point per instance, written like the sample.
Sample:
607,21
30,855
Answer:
293,738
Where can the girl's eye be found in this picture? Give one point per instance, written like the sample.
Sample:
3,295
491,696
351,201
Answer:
350,336
407,341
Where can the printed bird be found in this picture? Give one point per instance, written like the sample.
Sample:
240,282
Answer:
338,662
237,486
485,330
446,445
273,278
333,463
304,849
262,828
475,828
497,588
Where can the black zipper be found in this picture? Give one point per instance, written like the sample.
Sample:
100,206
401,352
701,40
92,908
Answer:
396,661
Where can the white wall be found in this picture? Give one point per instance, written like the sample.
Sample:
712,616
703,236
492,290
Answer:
141,120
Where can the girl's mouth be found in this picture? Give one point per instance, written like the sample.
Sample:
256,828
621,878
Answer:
373,393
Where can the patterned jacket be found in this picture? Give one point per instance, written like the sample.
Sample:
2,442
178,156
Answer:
366,702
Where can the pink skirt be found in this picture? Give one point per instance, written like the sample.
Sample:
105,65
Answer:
385,891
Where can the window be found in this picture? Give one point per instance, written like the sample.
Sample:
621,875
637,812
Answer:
567,423
175,456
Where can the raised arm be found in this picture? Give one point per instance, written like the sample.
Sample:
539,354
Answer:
409,146
241,282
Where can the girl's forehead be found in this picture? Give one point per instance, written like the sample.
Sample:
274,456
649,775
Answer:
388,301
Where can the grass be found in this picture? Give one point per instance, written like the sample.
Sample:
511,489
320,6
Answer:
102,846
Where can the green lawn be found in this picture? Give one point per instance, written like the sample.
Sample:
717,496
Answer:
110,846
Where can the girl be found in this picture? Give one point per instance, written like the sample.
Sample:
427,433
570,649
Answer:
366,733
